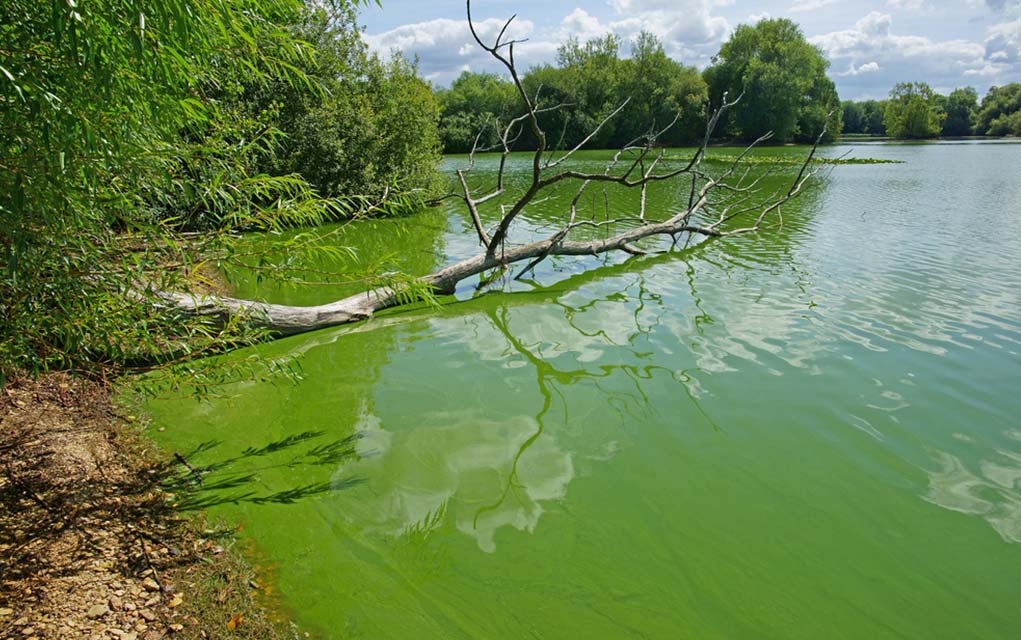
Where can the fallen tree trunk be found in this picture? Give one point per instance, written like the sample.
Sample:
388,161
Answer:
289,320
716,204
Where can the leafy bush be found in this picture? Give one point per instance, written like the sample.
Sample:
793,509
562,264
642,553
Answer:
783,79
117,132
914,111
999,113
373,128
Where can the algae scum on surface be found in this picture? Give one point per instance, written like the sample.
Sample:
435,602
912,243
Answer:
808,432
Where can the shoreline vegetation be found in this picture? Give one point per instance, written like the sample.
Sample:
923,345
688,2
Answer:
90,541
135,151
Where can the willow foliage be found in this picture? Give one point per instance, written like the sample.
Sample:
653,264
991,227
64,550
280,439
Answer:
914,110
115,135
783,81
372,130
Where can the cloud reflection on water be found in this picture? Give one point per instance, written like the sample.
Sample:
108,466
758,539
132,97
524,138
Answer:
994,492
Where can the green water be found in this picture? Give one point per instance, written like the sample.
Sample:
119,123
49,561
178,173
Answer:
812,432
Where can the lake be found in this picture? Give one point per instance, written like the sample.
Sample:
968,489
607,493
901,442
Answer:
814,431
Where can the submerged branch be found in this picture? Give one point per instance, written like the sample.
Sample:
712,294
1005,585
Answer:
712,201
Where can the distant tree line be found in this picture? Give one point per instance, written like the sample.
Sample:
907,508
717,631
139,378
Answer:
915,111
780,76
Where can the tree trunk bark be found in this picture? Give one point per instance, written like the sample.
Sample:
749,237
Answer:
289,320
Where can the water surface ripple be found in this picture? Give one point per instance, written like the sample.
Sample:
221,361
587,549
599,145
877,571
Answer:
808,432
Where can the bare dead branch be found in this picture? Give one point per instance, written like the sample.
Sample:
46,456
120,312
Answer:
714,198
474,210
589,137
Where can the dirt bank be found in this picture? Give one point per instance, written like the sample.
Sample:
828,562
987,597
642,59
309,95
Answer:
90,545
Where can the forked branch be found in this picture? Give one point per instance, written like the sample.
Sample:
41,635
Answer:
717,204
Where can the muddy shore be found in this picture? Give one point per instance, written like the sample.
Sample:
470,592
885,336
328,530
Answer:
90,543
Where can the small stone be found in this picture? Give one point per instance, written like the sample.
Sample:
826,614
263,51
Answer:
27,631
131,635
147,614
116,603
153,601
176,627
150,585
130,606
21,622
97,611
5,612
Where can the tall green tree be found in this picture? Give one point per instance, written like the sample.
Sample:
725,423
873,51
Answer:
593,73
659,90
872,117
854,121
473,106
589,82
580,91
1000,114
369,126
111,118
962,110
913,111
783,79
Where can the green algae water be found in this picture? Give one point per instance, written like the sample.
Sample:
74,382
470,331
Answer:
812,432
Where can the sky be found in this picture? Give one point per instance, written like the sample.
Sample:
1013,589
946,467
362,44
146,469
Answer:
871,44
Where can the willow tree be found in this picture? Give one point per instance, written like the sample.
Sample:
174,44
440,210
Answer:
1000,114
371,128
114,137
962,110
469,107
914,110
783,78
714,203
659,88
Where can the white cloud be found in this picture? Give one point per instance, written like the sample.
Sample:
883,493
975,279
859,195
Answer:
1003,46
582,25
1004,6
810,5
899,58
868,67
932,8
683,23
988,71
906,5
996,6
445,47
688,29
